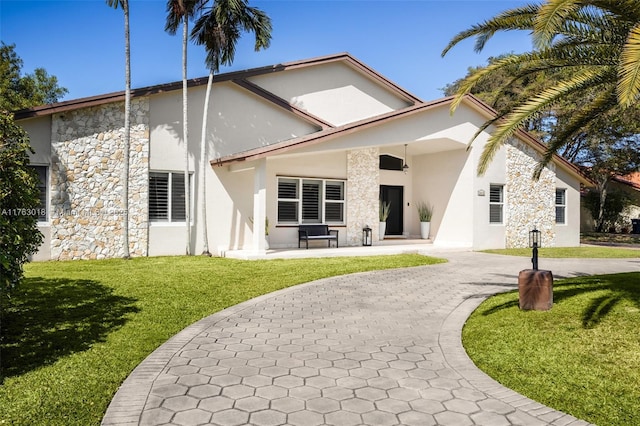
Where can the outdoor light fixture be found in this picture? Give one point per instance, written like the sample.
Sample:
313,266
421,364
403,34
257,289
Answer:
535,243
405,167
366,236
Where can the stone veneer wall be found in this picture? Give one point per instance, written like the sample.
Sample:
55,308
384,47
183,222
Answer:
363,192
86,188
528,203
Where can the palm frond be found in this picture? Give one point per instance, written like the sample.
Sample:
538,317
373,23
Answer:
520,18
530,109
550,20
629,71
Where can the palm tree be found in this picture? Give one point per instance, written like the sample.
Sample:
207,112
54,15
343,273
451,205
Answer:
180,11
124,4
594,43
219,29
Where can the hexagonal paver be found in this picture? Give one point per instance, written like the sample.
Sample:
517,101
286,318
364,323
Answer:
305,418
287,404
496,406
412,383
231,417
351,382
391,405
492,419
179,403
371,394
337,393
357,405
320,382
323,405
204,391
252,403
380,418
290,363
403,394
461,406
257,381
304,372
343,418
244,371
333,372
288,381
363,373
422,373
427,406
192,417
169,390
156,416
393,373
271,392
469,394
274,371
384,383
436,394
449,418
216,403
225,380
237,391
267,418
183,370
416,418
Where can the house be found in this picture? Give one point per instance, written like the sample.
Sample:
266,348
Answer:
628,185
313,141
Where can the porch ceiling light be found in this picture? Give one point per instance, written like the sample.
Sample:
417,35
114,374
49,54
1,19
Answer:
405,167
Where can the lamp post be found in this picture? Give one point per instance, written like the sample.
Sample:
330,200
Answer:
366,236
534,242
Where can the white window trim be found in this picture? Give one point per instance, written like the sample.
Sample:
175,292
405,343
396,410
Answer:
501,204
322,203
555,205
170,223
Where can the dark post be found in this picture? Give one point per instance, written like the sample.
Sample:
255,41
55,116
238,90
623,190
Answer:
535,287
534,242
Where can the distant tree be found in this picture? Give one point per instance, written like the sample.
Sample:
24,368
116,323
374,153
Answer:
19,201
19,91
597,44
124,4
180,12
219,29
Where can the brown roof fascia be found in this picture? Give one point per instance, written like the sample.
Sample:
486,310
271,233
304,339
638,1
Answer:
73,104
265,94
328,134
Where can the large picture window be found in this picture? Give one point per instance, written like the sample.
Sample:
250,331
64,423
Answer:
310,200
561,206
166,197
496,203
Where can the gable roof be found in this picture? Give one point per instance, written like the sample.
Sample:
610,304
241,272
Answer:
238,77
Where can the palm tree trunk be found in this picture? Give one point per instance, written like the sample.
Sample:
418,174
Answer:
127,132
602,190
203,165
185,133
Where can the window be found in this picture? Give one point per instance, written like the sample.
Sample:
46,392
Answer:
310,201
496,203
389,162
561,206
166,197
42,187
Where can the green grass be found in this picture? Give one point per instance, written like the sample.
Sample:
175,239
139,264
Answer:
581,357
73,331
573,252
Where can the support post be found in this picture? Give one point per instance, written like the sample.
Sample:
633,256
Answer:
260,206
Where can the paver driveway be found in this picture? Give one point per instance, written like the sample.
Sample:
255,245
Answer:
377,348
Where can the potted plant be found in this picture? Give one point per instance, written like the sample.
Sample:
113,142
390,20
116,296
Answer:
425,211
384,214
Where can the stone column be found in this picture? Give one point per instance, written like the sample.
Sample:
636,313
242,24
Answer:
528,202
363,192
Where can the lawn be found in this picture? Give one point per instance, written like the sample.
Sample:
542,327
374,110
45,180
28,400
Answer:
573,252
73,331
581,357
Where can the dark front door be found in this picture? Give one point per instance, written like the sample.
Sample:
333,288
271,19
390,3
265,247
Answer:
395,196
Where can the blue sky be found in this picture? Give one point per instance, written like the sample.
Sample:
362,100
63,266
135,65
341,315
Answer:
81,41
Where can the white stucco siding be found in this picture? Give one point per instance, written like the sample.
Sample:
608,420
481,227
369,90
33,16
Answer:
444,180
39,132
568,234
238,121
334,92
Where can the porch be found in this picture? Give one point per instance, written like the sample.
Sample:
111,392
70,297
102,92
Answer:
385,247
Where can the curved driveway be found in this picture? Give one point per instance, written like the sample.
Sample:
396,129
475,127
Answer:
377,348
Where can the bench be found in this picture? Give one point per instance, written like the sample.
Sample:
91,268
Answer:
317,232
